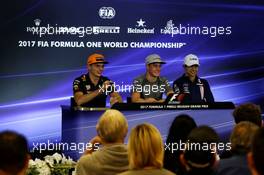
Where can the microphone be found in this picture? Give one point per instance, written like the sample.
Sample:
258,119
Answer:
180,97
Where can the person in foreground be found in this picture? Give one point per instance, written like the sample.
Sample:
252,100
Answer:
14,155
241,140
256,155
112,157
149,87
200,160
180,128
145,151
91,89
245,112
248,112
191,88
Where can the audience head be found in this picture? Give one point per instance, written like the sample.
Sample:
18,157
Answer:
180,128
145,147
248,112
112,126
256,156
14,155
198,158
178,132
242,136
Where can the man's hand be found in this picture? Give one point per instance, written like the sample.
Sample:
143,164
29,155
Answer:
151,100
113,100
96,140
104,86
161,101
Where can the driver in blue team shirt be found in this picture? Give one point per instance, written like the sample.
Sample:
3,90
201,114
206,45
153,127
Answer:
191,88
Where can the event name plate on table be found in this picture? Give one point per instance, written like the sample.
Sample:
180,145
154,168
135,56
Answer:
151,106
173,106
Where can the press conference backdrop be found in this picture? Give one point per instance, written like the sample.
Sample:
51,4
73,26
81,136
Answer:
44,46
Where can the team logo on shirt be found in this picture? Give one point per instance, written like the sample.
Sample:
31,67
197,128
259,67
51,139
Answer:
76,87
88,87
186,88
199,83
83,78
176,88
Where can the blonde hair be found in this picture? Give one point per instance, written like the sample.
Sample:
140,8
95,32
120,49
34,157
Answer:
145,147
112,126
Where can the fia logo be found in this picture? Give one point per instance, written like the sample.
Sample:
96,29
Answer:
106,12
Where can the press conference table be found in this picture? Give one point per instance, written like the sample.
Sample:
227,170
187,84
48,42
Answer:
78,124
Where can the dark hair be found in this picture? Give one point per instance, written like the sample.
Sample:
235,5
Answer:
201,160
258,150
13,152
179,130
248,112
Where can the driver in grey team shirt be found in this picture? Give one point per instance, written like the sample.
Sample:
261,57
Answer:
149,87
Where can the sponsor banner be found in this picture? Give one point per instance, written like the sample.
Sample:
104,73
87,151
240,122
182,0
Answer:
141,28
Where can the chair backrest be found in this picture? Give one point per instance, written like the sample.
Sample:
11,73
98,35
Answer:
73,103
129,100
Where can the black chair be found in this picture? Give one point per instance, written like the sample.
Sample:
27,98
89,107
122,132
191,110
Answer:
73,103
129,100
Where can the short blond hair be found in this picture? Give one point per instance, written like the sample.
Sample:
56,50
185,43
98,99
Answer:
112,126
145,147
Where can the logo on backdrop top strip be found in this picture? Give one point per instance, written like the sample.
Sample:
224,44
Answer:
141,28
106,12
